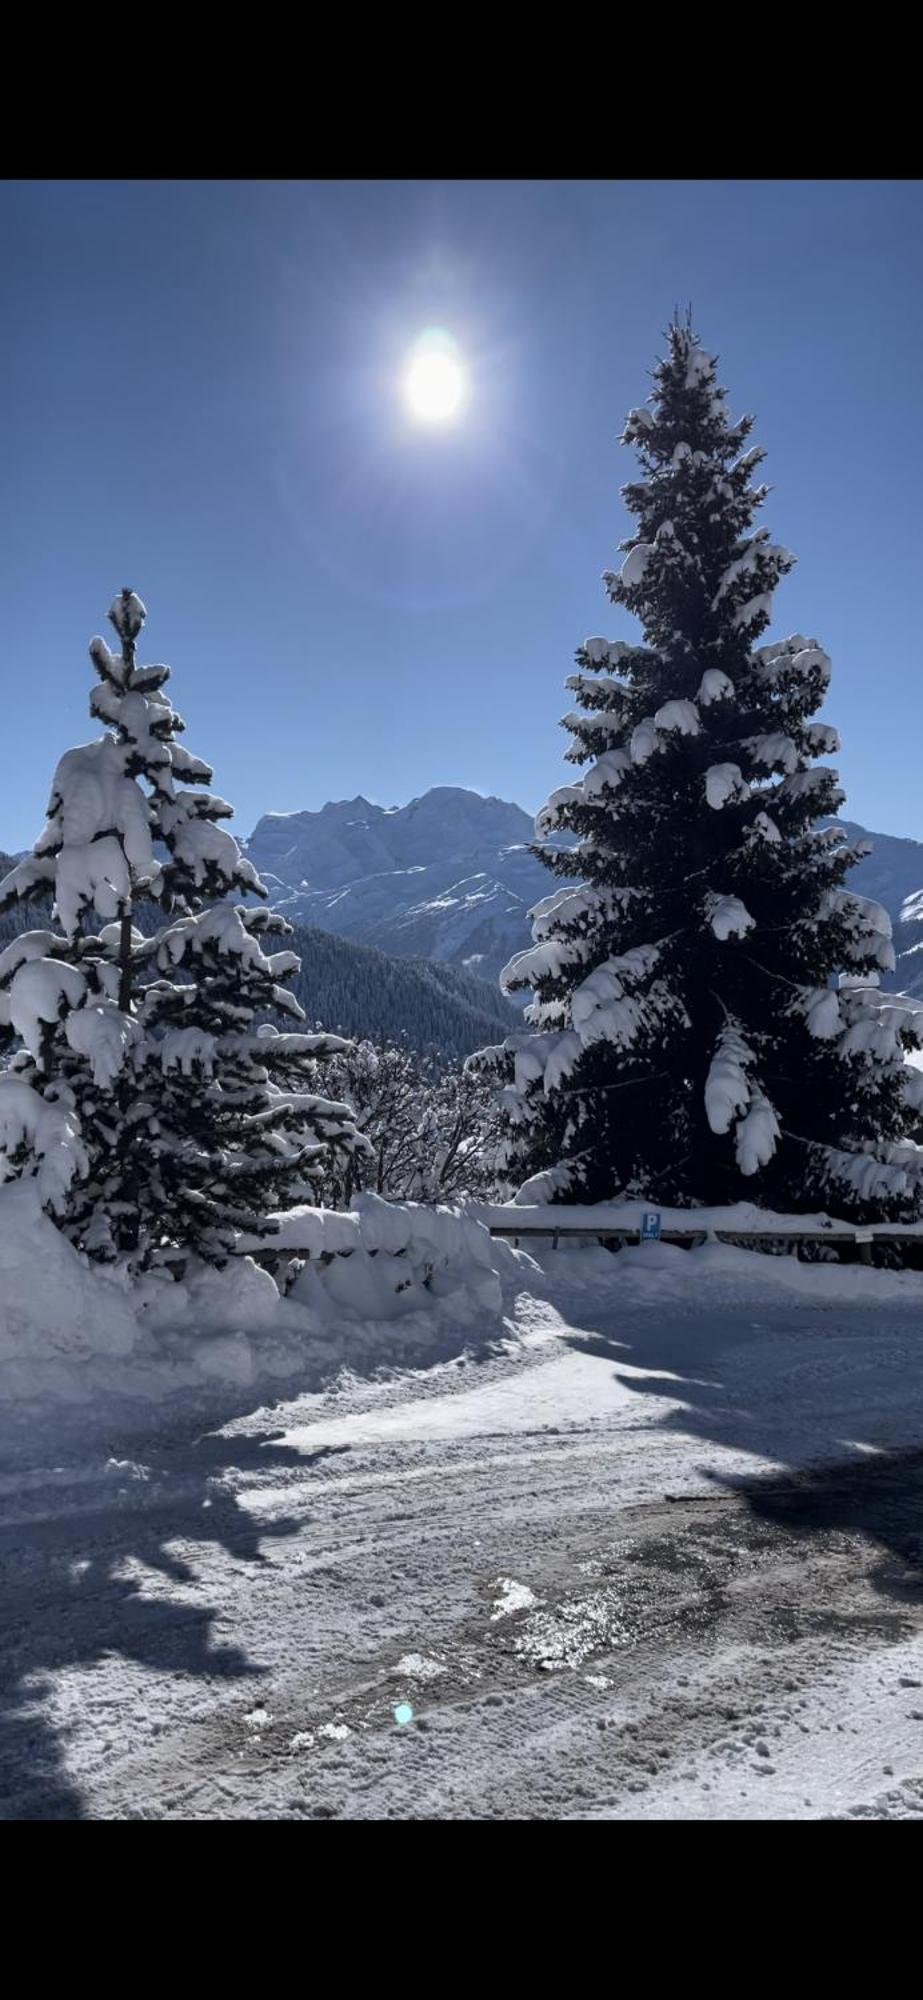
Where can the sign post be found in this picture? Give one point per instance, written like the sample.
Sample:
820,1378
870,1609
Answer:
864,1238
650,1226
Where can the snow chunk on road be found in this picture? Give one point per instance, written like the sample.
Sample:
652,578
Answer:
514,1597
418,1667
573,1632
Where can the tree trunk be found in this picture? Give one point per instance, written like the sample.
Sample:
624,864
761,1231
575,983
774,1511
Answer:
128,660
125,964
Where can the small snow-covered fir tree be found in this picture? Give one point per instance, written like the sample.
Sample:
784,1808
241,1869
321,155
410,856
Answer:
691,1043
150,1096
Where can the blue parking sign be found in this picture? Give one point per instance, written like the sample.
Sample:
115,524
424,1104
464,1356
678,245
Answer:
650,1226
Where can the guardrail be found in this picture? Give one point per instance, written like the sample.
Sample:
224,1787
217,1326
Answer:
861,1240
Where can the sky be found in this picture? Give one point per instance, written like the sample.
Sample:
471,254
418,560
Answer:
200,392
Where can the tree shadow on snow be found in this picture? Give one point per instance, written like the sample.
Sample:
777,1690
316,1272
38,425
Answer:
105,1573
831,1406
877,1501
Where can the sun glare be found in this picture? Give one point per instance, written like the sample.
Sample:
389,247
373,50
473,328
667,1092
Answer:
434,378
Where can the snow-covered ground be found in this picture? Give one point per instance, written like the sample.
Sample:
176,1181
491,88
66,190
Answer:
592,1555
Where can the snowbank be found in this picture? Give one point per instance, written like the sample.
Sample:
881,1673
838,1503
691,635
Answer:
56,1311
384,1259
74,1330
432,1237
716,1279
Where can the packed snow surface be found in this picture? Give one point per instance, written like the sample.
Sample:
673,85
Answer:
573,1558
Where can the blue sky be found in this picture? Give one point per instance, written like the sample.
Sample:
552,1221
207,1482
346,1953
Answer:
198,384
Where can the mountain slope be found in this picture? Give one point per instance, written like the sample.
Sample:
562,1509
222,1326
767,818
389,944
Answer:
447,877
360,991
893,875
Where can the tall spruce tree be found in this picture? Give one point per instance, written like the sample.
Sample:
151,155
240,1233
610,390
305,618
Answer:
152,1098
691,1041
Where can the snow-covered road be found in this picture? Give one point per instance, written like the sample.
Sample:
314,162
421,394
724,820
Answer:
598,1564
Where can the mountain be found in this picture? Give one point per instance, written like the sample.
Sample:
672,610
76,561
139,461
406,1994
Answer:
893,875
448,877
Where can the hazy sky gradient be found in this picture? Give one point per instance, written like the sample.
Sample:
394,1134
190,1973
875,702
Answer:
198,384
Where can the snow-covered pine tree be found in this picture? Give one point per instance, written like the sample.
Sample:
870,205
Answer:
151,1104
691,1043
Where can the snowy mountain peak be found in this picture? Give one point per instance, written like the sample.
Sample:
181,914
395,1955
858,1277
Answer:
447,876
338,807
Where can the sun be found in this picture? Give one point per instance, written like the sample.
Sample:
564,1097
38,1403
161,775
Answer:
434,382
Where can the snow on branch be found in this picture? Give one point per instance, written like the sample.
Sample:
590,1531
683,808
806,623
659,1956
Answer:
644,743
714,686
548,958
44,1133
774,751
41,991
755,609
606,1007
725,784
615,653
30,877
578,907
682,716
890,1174
727,916
633,568
105,1036
865,927
732,1097
793,659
